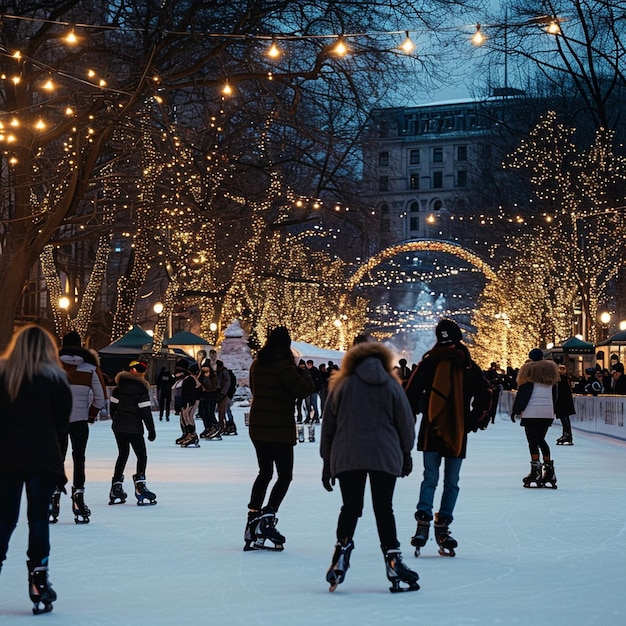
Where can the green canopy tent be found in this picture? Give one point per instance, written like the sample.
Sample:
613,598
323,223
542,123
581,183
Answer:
116,356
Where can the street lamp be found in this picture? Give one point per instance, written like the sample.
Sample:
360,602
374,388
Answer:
64,305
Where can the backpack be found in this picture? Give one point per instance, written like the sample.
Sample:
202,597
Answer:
233,384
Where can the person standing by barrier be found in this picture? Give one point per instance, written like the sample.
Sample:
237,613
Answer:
164,383
565,407
35,407
535,403
276,382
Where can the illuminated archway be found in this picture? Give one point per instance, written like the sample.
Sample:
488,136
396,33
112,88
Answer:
427,245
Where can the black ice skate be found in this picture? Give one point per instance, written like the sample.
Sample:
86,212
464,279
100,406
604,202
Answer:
190,441
312,433
339,565
41,592
117,495
142,493
548,478
398,572
535,476
266,531
249,535
214,434
55,505
79,508
564,440
300,430
443,538
419,539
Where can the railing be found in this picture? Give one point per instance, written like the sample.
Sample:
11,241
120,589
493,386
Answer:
602,414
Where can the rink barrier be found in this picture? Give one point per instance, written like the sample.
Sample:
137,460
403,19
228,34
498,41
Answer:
603,415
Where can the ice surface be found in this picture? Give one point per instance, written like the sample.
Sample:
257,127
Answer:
525,556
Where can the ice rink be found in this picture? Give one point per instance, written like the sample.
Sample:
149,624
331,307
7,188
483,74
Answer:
525,556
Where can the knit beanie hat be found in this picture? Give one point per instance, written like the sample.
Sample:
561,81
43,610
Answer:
71,340
447,332
279,338
536,354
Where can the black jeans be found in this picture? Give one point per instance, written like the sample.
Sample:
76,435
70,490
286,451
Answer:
124,443
382,485
78,434
165,399
39,488
268,454
536,431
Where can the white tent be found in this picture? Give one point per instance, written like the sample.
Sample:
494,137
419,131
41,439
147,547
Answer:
302,350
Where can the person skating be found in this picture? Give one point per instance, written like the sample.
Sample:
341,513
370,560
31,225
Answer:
368,431
130,410
564,407
88,397
35,406
454,398
535,404
275,382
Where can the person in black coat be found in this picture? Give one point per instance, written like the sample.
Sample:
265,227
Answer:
130,410
164,383
35,406
564,407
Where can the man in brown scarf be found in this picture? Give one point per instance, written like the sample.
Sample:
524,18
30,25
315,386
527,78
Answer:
452,395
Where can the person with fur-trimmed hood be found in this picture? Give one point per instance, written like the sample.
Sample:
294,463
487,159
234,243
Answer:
449,390
368,430
130,410
535,403
88,397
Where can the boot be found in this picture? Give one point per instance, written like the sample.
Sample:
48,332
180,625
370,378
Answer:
142,493
249,535
79,508
444,540
340,563
548,478
39,588
266,528
186,431
117,494
398,572
534,476
55,505
420,537
191,439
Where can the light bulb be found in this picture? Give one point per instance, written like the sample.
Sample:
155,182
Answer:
478,38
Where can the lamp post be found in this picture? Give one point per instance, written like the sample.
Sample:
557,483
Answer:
605,318
64,305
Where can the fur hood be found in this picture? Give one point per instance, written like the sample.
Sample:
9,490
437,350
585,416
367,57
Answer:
356,355
544,372
127,377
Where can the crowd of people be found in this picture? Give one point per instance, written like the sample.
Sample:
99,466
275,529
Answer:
368,409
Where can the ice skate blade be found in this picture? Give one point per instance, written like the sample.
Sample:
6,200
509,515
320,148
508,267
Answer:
81,519
52,519
146,502
38,609
117,501
533,485
417,551
397,588
447,552
550,485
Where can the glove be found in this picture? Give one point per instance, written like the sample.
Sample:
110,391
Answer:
327,480
407,465
513,417
151,435
92,413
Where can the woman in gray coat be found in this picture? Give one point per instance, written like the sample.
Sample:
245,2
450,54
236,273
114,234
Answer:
368,429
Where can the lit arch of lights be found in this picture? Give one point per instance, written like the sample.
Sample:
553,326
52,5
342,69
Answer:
416,245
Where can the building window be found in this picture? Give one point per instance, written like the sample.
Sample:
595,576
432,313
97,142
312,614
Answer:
384,209
414,180
461,153
383,183
383,159
437,205
438,155
461,178
414,157
437,180
414,223
414,207
384,225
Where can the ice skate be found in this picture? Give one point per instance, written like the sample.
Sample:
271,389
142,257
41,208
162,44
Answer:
443,538
142,493
398,572
79,508
266,530
249,535
190,441
300,429
534,477
548,478
215,433
564,440
340,563
55,506
419,539
41,592
117,495
312,433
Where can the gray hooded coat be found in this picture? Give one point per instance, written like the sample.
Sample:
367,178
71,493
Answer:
367,423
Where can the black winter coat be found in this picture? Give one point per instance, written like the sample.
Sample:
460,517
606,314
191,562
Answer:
130,405
30,427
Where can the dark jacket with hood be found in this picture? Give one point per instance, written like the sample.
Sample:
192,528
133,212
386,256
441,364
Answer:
459,406
130,405
276,382
367,421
